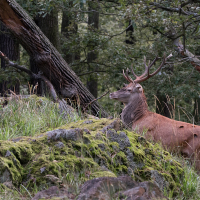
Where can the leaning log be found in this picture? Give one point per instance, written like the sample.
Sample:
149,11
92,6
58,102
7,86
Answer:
49,61
193,59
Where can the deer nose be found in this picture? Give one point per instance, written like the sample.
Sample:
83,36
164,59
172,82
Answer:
111,95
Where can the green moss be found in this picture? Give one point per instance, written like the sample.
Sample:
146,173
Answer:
14,169
33,158
102,174
93,127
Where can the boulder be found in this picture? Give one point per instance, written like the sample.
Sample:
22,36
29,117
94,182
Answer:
106,188
88,149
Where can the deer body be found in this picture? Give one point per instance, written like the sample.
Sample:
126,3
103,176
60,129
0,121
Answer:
174,135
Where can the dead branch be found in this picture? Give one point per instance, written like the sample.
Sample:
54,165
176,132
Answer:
95,100
33,75
184,52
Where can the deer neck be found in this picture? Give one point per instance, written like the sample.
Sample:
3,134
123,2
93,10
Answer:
134,110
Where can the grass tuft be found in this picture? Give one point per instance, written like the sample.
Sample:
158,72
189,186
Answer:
28,117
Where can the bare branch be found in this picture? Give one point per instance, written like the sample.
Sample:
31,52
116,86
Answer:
95,100
33,75
176,10
191,57
12,64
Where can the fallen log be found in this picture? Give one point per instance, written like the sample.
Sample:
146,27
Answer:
49,61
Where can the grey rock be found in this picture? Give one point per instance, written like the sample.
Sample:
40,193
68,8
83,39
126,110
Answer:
86,140
42,169
102,146
119,188
17,139
98,136
14,161
88,122
59,145
5,177
52,192
9,185
120,138
71,134
87,131
159,179
116,125
66,110
8,153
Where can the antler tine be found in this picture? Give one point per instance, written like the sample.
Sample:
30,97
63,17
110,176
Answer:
127,77
130,79
163,62
146,68
155,59
146,72
142,78
133,71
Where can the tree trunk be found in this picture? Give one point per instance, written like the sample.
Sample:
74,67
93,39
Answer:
162,105
69,28
93,24
48,59
10,46
196,112
49,26
129,34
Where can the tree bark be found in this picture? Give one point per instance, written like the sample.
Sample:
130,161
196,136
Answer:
10,46
48,59
185,53
196,112
162,105
93,24
69,28
129,34
49,26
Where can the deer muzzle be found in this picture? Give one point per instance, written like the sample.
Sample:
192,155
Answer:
112,95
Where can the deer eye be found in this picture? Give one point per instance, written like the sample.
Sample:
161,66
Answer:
129,90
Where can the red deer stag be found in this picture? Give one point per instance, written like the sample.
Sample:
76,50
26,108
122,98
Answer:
174,135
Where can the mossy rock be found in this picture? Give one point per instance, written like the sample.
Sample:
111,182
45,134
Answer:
89,148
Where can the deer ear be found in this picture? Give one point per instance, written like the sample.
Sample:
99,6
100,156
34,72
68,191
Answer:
139,87
125,85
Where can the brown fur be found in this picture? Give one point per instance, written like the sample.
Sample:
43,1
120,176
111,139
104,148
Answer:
174,135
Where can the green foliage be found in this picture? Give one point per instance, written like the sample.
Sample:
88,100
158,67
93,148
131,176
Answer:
153,28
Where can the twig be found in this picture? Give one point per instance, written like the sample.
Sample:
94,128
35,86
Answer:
176,10
95,100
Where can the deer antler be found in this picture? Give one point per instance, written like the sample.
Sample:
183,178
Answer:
142,78
126,76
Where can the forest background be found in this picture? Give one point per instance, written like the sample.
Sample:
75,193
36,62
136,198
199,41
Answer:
98,39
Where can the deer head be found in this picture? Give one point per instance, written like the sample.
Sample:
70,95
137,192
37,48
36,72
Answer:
133,90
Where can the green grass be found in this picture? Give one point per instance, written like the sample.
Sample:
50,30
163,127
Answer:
190,185
29,117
